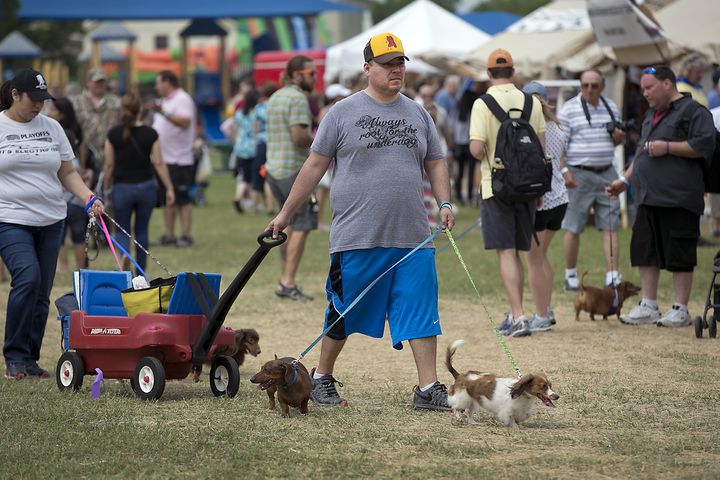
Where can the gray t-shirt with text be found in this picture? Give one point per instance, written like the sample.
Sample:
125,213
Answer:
377,193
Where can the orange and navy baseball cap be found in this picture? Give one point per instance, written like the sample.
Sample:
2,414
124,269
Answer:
384,47
500,59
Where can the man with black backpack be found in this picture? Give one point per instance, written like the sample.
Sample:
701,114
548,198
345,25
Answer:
670,174
507,135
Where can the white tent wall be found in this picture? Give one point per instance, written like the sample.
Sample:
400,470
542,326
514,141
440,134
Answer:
422,26
541,39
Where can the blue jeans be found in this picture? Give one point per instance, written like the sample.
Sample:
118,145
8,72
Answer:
30,254
139,198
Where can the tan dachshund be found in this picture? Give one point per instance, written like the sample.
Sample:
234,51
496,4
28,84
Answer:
603,301
291,382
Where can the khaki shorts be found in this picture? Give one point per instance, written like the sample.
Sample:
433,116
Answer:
304,219
590,192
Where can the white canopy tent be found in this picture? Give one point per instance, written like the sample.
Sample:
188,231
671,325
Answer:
542,38
422,26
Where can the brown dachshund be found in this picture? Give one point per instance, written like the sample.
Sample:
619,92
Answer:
291,382
247,340
603,301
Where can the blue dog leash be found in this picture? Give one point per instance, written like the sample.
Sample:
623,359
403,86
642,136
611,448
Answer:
362,294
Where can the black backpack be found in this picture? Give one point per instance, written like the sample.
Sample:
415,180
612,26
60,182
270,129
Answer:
520,171
711,166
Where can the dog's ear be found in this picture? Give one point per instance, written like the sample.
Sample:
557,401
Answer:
289,373
521,385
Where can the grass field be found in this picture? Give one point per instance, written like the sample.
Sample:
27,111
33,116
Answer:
635,402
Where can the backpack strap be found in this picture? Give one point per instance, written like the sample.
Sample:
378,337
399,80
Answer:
494,107
527,107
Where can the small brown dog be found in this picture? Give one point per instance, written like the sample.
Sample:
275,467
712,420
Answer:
291,382
603,301
247,340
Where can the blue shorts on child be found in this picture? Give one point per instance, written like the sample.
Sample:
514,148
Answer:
407,295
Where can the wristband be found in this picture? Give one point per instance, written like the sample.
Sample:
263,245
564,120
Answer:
667,148
564,170
164,113
91,199
446,205
624,179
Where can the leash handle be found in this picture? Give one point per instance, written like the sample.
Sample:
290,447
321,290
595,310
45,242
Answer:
494,327
362,294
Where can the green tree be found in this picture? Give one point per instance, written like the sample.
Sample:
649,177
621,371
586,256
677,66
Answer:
381,9
518,7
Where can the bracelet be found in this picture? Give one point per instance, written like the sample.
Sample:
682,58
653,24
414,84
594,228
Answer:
564,170
91,199
446,205
624,179
667,148
164,113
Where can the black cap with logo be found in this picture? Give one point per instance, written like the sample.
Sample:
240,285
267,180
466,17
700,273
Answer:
33,83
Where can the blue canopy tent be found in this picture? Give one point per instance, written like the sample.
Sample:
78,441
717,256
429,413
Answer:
490,22
16,45
172,9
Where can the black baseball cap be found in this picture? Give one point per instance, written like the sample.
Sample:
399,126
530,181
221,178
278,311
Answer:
33,83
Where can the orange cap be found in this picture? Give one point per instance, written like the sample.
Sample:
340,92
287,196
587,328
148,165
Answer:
499,59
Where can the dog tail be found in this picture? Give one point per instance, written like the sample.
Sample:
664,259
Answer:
582,281
452,348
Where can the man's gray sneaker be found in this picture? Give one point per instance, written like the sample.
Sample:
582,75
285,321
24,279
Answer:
520,328
435,398
506,326
536,324
675,317
323,390
641,314
572,283
551,315
293,293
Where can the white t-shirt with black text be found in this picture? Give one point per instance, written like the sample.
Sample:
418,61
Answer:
30,155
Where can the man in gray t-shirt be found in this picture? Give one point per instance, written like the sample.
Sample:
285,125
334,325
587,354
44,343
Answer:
382,142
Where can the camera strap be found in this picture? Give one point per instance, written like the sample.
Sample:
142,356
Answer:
587,112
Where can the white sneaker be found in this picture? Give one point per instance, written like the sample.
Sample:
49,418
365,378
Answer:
641,315
675,317
615,282
572,284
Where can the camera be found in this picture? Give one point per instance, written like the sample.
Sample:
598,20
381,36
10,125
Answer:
624,126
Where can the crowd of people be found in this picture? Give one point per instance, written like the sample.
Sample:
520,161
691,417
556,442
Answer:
382,152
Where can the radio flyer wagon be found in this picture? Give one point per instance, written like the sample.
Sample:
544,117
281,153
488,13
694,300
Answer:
151,348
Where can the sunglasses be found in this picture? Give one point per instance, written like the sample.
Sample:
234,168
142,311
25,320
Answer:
307,71
591,86
650,70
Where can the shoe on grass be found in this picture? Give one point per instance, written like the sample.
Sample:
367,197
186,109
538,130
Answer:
293,293
324,391
572,284
435,398
641,314
536,324
15,371
34,370
505,326
185,241
520,328
167,240
675,317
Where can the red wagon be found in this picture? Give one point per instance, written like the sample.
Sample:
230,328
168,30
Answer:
151,348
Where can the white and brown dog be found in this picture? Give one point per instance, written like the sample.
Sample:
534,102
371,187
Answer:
509,399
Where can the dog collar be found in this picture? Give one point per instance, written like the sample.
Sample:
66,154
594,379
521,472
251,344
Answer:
287,386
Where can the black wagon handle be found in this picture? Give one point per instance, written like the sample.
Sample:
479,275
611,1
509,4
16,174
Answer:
272,242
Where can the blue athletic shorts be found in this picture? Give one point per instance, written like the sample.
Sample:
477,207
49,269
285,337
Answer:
407,295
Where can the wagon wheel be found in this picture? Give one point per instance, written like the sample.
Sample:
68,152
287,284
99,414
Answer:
224,376
149,380
70,371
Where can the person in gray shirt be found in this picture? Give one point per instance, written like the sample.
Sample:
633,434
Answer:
382,142
677,136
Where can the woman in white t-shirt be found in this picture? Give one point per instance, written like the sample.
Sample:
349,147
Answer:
35,165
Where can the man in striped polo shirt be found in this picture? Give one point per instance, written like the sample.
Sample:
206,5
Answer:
591,121
288,140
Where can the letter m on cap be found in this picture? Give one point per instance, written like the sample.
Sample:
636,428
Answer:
391,42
